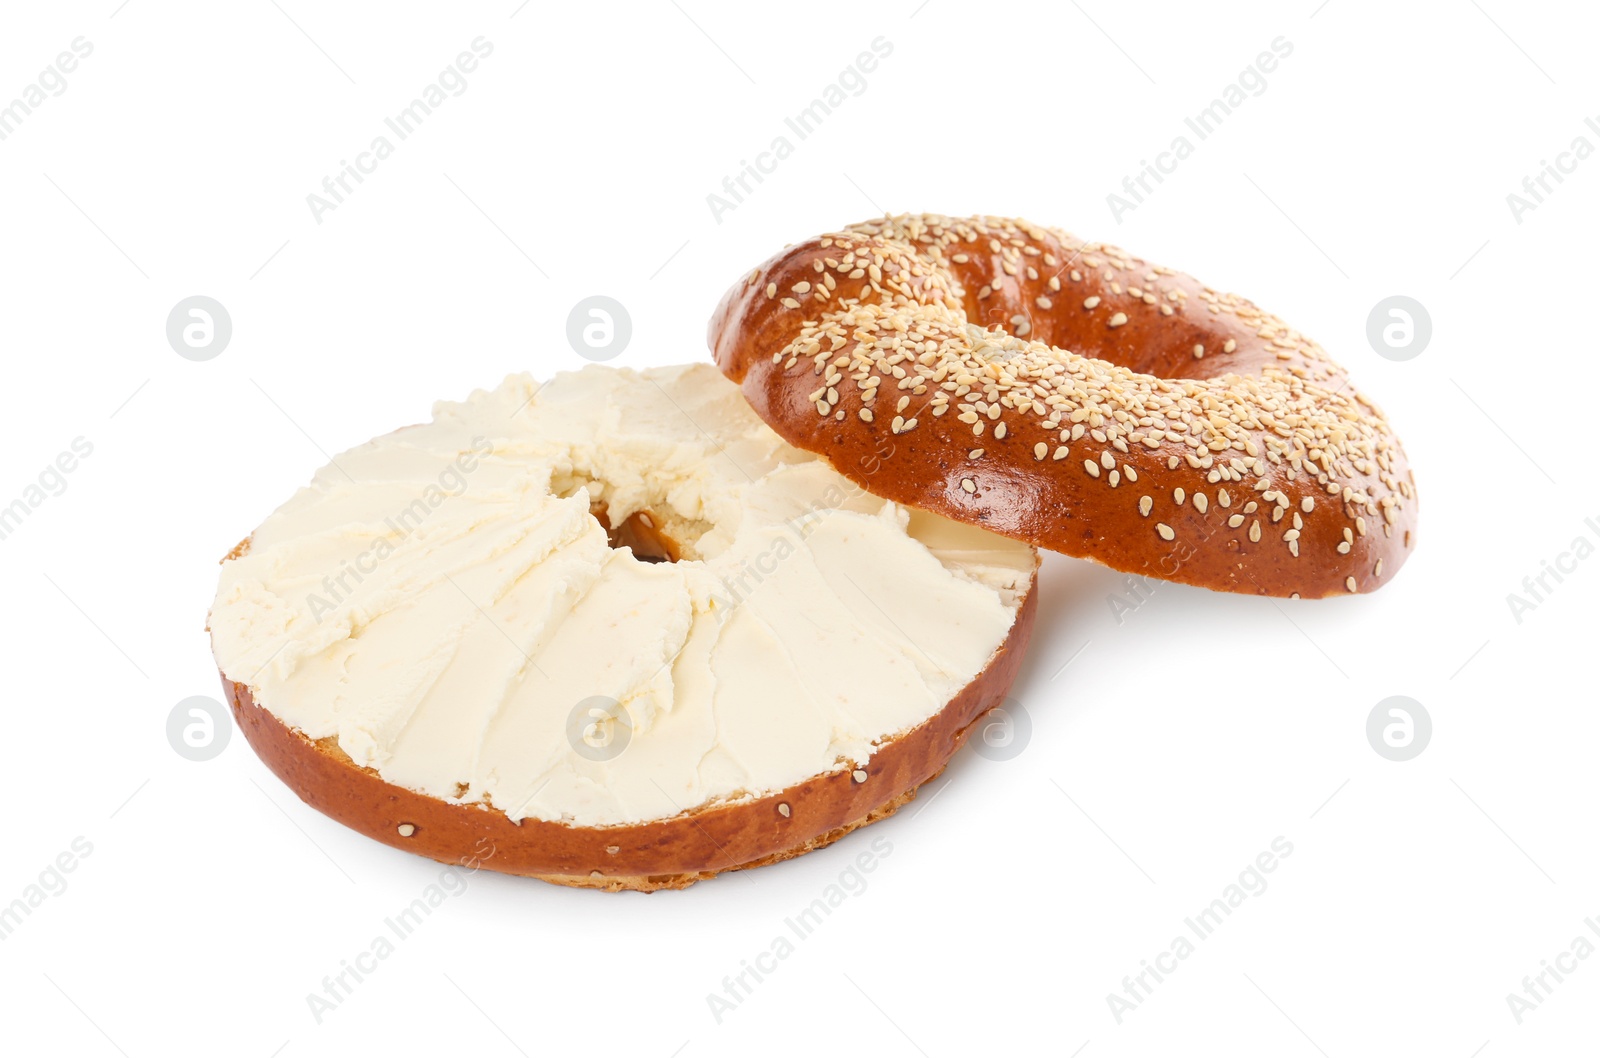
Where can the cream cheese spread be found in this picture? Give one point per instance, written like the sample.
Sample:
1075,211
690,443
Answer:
445,602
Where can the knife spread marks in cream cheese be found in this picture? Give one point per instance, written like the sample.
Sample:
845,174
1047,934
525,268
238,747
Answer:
445,598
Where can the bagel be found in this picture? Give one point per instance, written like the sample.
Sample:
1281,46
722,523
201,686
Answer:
1072,396
610,632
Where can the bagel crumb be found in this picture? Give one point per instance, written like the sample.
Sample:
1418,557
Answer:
406,830
612,850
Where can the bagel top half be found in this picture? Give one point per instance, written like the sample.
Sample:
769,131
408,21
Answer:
1070,395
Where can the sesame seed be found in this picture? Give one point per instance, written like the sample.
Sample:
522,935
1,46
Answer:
1107,460
866,414
1255,531
772,290
1177,497
969,485
1350,582
858,775
1041,450
1307,503
1118,320
406,830
1200,502
1060,453
1090,303
1165,530
1092,467
1236,521
783,810
1145,503
976,453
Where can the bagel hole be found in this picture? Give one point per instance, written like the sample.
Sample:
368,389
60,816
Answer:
641,533
653,533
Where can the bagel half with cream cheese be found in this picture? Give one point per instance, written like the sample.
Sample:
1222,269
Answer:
611,631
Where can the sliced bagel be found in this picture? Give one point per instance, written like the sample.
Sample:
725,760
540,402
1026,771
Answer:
610,632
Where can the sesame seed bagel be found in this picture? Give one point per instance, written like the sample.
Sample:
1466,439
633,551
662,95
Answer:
1070,395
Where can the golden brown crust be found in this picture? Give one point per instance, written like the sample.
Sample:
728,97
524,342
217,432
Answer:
662,854
1067,394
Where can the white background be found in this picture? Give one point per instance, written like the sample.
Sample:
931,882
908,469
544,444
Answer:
1170,752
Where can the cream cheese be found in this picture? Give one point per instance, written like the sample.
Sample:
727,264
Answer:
443,601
